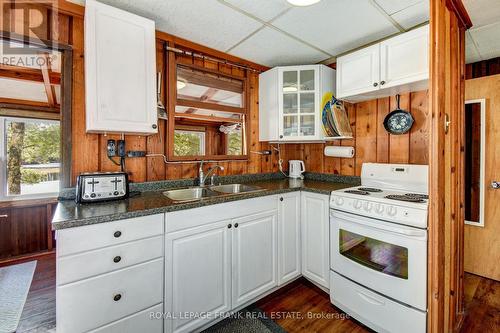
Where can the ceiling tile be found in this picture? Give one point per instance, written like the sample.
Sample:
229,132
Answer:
413,15
263,9
483,12
471,54
393,6
330,25
487,40
272,48
206,22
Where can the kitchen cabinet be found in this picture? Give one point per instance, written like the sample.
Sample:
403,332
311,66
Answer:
290,102
289,251
120,71
198,274
315,238
254,256
218,258
397,65
109,272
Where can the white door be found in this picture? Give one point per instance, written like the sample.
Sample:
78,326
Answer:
120,68
299,102
315,237
405,58
289,237
358,72
254,256
198,274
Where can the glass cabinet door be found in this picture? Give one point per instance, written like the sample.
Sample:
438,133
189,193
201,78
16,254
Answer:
299,105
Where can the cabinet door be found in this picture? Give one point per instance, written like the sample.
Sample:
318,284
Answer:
289,237
254,256
358,72
315,237
299,103
120,70
198,275
405,58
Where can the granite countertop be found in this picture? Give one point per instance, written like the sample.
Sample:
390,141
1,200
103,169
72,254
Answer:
69,214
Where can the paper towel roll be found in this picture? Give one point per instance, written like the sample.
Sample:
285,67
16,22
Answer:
338,151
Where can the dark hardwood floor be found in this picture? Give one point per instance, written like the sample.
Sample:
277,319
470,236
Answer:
299,307
482,304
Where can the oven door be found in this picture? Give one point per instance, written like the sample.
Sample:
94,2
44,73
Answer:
386,257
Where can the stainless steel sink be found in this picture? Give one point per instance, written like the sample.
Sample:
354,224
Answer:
236,188
190,194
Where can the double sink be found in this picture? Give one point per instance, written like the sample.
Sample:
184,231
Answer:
198,193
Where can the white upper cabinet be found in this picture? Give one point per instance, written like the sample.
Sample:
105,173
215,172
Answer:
358,72
120,68
396,65
290,102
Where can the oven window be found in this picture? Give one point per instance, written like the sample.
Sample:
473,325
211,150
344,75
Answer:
383,257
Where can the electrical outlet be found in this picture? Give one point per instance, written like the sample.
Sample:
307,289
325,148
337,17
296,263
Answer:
121,148
111,148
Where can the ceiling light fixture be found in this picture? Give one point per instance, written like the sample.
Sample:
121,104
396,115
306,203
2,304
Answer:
302,3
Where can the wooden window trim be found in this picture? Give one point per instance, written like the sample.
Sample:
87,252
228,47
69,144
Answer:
171,93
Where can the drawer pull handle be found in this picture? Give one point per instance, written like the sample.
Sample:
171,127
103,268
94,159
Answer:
117,297
281,199
229,226
117,234
236,225
117,259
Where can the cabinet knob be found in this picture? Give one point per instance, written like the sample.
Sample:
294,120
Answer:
117,297
117,259
154,126
229,226
281,136
281,199
236,225
117,234
375,84
382,83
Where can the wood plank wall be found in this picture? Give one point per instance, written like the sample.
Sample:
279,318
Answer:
482,68
371,141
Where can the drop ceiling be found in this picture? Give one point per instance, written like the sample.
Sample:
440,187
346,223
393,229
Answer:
272,32
483,39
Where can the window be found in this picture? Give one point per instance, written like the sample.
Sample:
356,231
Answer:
189,143
30,156
211,101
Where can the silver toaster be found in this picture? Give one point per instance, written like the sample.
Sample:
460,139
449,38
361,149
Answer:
101,186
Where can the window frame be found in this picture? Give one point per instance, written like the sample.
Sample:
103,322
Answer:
171,93
4,196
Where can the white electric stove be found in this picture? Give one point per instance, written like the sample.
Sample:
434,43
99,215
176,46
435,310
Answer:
378,245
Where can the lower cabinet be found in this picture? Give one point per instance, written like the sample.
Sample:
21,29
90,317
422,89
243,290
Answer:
289,251
217,266
315,237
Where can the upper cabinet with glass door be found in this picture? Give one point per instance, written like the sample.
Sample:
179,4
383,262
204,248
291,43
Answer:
290,102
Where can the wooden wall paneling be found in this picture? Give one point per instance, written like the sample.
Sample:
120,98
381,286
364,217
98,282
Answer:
482,68
383,149
135,167
254,160
400,144
366,134
419,134
348,165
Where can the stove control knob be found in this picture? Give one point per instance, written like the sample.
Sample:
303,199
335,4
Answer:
357,204
379,208
339,201
391,211
368,206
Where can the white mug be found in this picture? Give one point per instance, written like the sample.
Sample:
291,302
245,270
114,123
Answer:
296,168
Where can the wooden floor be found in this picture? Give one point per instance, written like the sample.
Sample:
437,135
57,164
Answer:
301,307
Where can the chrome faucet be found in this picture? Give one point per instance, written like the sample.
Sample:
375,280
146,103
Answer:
210,172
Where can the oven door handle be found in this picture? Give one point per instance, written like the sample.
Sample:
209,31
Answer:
410,232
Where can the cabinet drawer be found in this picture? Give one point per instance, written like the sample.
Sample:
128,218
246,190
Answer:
91,263
91,237
91,303
139,322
